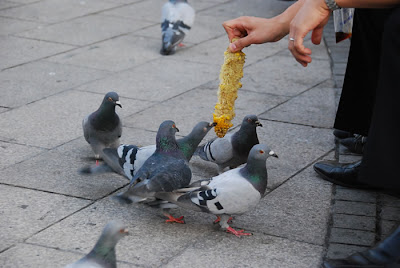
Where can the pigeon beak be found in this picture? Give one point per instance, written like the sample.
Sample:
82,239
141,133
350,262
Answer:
177,129
118,103
258,124
272,153
124,231
213,124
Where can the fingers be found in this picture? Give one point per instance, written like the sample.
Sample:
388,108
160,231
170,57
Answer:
299,51
239,44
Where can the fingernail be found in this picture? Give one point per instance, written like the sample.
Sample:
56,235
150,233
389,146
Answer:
232,47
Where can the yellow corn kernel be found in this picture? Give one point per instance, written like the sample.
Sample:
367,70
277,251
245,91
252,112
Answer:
229,77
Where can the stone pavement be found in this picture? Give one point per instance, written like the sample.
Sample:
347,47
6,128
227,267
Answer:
59,57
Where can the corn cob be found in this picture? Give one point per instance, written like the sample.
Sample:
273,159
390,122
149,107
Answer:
229,77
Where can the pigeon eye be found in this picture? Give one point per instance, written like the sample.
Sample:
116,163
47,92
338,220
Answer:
110,99
122,231
261,151
173,126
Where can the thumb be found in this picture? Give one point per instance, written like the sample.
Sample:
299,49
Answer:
238,44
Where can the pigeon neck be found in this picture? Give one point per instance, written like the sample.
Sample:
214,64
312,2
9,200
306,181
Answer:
189,143
104,251
255,172
166,144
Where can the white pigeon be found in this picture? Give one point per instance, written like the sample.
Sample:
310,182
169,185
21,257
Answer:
103,128
234,192
103,253
177,19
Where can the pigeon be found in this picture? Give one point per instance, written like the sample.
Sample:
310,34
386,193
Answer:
233,192
103,254
103,128
126,160
164,171
231,150
176,20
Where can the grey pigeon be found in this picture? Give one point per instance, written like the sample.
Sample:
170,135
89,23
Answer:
127,159
103,128
231,193
231,150
103,254
164,171
177,19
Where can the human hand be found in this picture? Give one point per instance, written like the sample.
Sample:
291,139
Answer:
312,16
253,30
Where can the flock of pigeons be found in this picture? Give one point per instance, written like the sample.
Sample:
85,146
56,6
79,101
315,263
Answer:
160,175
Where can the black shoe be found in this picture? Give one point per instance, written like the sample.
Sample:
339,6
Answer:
341,174
341,134
355,144
385,255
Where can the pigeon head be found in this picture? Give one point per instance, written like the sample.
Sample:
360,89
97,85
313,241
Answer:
203,127
252,119
260,152
113,232
111,99
165,140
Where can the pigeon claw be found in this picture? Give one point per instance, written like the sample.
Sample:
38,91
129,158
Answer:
171,219
237,233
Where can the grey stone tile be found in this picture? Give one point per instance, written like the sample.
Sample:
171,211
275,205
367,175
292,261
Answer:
390,213
282,75
33,124
352,237
148,243
297,147
355,208
257,251
6,4
33,81
15,50
390,201
57,171
388,227
49,11
355,195
80,31
313,107
156,80
340,251
24,212
16,153
354,222
297,210
12,26
198,105
38,256
132,51
149,10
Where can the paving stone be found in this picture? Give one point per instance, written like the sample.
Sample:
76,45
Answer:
282,75
148,243
132,51
390,213
63,124
347,194
37,80
80,32
57,171
13,25
352,237
25,212
16,50
139,83
257,251
354,222
49,11
38,256
291,211
303,109
16,153
355,208
7,4
387,228
340,251
391,201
